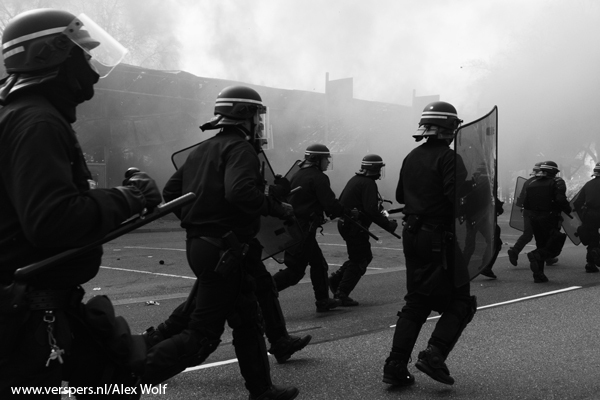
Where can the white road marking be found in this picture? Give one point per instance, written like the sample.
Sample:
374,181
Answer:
516,300
148,272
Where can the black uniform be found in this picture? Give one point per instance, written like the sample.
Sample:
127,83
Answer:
545,198
47,208
360,193
587,205
310,203
224,173
427,188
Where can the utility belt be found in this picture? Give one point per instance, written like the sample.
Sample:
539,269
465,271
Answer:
232,252
413,223
18,297
441,234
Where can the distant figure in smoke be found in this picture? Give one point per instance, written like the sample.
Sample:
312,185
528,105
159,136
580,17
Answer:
362,197
545,198
587,206
527,235
310,203
429,177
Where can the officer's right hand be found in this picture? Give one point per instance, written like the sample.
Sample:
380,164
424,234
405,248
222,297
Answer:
393,225
279,209
148,188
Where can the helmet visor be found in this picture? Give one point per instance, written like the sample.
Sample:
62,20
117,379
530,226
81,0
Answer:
261,135
105,50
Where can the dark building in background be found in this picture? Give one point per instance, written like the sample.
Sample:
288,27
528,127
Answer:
139,117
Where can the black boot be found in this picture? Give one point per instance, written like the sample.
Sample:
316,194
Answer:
431,361
513,256
536,264
286,346
345,300
395,370
277,393
334,281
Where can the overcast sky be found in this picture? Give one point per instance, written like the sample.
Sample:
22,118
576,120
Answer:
389,47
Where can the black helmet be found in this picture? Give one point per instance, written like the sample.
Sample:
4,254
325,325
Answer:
536,168
596,170
239,102
42,39
131,171
548,168
371,165
234,106
438,119
316,152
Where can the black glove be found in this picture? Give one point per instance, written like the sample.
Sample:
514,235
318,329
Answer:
281,187
148,187
279,209
393,225
128,174
141,192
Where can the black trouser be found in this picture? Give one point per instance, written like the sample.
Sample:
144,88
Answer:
590,223
220,299
301,256
545,227
359,257
86,338
430,287
266,293
527,234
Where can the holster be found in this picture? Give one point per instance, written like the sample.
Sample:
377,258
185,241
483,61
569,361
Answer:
412,223
232,255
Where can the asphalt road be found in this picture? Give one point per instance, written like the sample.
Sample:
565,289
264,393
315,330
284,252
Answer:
527,341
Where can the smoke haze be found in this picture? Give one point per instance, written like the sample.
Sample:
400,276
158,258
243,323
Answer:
537,60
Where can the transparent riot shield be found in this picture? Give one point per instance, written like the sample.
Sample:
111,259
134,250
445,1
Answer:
275,234
179,157
571,222
516,211
476,149
293,169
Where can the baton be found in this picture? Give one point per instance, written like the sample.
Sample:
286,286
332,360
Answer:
395,210
129,225
349,218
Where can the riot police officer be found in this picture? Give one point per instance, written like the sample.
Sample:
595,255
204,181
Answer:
545,198
587,205
314,199
221,225
527,235
429,176
362,197
47,207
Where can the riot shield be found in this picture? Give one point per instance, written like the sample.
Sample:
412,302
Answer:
275,235
293,169
571,222
179,157
476,149
516,211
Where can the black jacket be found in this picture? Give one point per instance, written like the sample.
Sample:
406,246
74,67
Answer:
427,181
46,206
361,193
315,197
589,196
224,173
